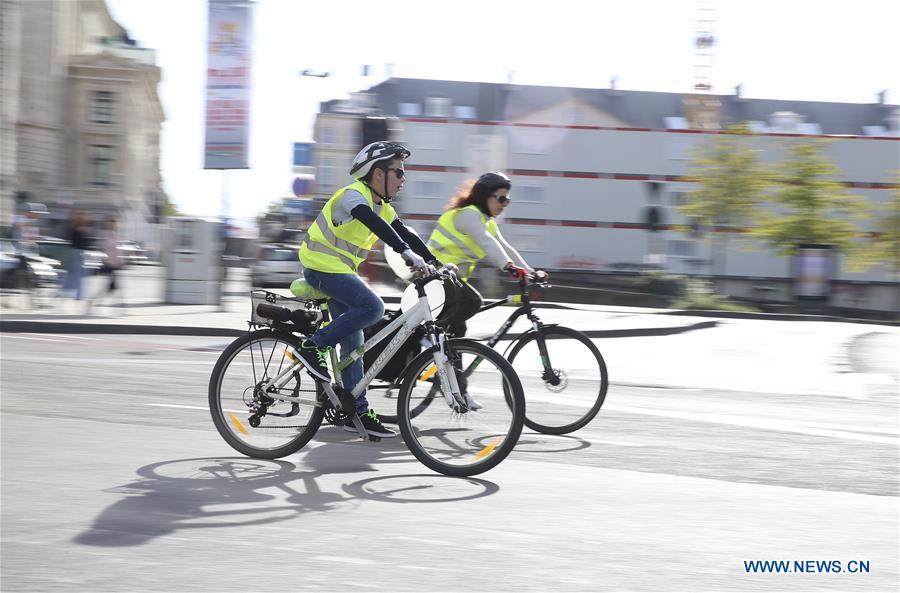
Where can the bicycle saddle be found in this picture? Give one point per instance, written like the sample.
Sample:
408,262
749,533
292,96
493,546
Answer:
302,289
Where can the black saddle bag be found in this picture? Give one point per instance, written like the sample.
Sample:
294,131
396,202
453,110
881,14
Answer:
408,350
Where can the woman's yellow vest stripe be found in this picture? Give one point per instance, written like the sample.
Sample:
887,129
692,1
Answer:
339,249
451,246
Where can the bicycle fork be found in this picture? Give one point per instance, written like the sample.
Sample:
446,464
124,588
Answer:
449,384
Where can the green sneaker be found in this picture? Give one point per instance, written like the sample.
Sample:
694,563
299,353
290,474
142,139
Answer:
372,424
315,359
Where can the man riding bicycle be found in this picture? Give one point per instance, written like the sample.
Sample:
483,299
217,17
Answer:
337,242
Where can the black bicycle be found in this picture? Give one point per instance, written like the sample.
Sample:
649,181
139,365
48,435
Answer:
562,372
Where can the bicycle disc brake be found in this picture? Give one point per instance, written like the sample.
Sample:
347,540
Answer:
556,380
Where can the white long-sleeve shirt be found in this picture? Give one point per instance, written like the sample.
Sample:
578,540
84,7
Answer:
469,222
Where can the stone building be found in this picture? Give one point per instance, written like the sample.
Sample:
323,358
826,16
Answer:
81,115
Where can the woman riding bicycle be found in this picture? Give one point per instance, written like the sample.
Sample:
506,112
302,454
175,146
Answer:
337,242
465,234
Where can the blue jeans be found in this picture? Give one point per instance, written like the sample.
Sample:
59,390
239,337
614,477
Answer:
353,306
75,272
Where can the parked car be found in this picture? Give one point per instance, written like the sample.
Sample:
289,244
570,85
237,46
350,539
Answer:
132,253
17,259
56,248
276,265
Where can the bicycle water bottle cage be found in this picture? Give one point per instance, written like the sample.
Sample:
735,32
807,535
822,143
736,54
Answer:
302,289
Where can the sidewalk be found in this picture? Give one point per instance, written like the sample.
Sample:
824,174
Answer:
647,347
641,347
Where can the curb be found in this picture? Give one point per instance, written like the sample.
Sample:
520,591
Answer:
774,316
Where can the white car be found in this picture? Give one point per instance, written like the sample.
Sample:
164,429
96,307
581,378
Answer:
276,265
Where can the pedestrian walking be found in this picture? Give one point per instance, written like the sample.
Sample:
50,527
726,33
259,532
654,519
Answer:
112,266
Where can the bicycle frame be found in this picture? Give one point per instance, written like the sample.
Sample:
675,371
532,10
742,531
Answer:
524,308
406,323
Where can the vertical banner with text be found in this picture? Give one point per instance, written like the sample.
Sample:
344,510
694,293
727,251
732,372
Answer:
228,84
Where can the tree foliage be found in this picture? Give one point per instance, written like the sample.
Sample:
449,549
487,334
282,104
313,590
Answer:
811,205
730,185
730,181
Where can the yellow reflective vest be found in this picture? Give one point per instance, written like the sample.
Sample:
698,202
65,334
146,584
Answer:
339,249
451,246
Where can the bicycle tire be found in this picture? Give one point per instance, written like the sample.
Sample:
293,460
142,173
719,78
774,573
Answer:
532,420
221,420
481,438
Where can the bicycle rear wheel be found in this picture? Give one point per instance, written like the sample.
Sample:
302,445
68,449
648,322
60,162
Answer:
251,420
469,442
572,393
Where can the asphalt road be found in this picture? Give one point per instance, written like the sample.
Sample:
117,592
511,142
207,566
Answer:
113,479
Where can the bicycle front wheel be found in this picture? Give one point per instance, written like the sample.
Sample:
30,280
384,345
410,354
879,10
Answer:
250,417
468,442
567,391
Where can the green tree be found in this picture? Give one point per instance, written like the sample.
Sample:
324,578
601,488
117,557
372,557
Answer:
168,208
812,206
730,185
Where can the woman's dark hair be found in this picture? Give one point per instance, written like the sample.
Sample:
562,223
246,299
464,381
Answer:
477,192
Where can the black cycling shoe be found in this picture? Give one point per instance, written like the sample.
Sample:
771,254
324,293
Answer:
315,359
372,424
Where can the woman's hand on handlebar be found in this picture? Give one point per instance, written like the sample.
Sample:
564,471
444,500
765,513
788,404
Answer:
515,272
540,277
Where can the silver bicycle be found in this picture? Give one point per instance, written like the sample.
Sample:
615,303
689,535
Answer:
265,405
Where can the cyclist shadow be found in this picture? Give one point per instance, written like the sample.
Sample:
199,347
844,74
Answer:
204,493
536,442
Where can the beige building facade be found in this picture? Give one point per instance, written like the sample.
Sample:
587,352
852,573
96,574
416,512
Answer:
81,115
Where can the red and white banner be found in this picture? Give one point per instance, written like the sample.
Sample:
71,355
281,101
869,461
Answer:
228,84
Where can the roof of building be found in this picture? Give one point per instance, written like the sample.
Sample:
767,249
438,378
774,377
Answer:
641,109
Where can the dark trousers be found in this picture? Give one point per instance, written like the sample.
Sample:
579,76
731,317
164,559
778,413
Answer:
460,303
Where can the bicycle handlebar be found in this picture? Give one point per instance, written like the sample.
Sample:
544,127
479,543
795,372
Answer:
442,273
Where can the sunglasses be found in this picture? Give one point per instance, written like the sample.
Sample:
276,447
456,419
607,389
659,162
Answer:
397,171
502,199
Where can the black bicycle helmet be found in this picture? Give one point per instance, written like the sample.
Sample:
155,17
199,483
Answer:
493,180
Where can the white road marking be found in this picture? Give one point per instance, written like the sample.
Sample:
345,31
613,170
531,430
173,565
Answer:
838,431
66,336
23,337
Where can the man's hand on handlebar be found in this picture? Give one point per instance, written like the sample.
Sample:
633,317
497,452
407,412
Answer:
415,261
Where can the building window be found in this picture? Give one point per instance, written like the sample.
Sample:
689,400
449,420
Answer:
530,194
100,158
326,135
527,141
429,137
102,107
676,198
463,112
437,107
681,248
529,243
409,109
302,154
429,189
325,180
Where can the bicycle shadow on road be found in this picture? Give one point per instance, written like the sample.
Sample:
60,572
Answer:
535,442
222,492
